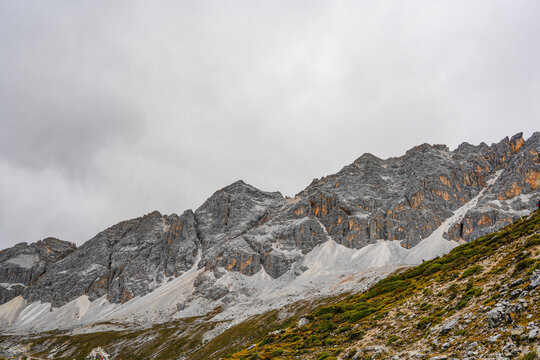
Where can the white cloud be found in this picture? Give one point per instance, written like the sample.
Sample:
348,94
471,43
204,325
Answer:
110,110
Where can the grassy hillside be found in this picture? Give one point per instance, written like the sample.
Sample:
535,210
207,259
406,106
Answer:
438,308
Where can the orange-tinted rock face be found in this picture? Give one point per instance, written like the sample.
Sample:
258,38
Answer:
484,220
126,297
532,177
514,190
416,199
231,265
445,180
518,144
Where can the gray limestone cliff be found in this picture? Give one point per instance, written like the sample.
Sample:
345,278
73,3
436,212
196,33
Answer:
22,265
243,229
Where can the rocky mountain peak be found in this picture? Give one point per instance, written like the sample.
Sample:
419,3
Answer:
441,147
457,195
56,246
367,158
534,140
235,208
423,148
517,141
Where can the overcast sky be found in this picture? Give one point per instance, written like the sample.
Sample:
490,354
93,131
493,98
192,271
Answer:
112,109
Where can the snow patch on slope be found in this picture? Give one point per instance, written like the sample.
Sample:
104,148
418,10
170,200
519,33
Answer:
25,261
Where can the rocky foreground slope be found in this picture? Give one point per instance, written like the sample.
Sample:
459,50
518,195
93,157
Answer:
247,251
478,302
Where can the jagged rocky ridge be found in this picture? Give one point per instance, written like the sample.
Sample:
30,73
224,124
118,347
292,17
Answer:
245,230
476,302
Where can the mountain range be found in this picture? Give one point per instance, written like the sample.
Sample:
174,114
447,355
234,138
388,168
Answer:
245,251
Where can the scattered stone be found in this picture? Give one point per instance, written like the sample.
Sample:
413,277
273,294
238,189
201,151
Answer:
516,283
504,312
496,316
302,322
535,279
448,326
494,338
517,330
514,294
510,350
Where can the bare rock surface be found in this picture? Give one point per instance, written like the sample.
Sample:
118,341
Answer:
22,265
244,230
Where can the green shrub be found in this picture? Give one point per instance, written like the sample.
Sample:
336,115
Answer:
343,329
532,268
334,309
356,315
423,323
532,241
391,340
323,355
356,335
524,264
391,284
472,292
472,271
530,356
325,326
433,268
277,352
462,303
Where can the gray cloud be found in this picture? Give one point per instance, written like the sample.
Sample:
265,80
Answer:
111,110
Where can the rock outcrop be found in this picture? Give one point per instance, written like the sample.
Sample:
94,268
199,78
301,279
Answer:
246,230
129,259
21,266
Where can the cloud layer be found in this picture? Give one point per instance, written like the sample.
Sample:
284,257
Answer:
111,110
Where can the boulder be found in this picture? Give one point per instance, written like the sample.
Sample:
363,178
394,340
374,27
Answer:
535,279
302,322
448,326
496,316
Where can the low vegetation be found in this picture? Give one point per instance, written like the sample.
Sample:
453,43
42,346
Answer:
406,310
